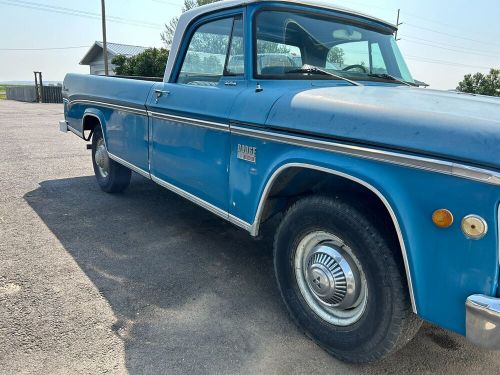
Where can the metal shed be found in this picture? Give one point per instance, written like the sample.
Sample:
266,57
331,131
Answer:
94,56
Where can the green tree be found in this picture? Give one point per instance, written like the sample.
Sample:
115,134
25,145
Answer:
263,46
150,63
483,84
336,56
209,43
168,35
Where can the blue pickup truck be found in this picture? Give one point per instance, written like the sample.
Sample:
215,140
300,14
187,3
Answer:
387,195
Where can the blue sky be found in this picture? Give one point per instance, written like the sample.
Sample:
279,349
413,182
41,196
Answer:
441,40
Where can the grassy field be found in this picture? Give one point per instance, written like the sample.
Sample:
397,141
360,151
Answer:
2,91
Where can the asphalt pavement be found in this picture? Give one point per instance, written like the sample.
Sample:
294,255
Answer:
146,282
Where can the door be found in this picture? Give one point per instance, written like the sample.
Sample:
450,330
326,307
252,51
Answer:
189,138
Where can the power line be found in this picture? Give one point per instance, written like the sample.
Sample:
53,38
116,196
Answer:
166,2
438,22
434,44
91,14
364,4
425,19
450,35
79,13
443,62
450,45
426,28
468,52
42,49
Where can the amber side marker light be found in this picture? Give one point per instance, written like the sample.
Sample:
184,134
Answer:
443,218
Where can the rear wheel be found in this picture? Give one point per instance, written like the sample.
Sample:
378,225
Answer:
341,281
111,176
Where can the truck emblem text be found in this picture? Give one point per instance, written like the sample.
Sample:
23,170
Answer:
247,153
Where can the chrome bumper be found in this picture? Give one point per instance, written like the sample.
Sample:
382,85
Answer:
483,321
63,126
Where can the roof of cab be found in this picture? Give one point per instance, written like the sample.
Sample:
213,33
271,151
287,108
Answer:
187,17
193,13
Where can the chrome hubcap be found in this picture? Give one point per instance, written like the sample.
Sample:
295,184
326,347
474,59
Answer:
330,278
102,158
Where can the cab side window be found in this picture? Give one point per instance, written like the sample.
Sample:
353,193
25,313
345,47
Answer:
206,59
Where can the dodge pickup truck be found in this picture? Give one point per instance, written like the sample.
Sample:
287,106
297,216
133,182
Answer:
387,195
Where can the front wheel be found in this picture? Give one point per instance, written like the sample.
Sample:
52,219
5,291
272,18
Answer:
111,176
341,281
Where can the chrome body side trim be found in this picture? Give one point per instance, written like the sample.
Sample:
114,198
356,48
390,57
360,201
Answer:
137,111
482,322
406,160
193,198
131,166
256,223
190,121
240,223
73,130
428,164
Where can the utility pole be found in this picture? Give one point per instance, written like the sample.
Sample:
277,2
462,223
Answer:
397,25
104,44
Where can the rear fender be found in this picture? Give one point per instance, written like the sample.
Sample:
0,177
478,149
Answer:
88,123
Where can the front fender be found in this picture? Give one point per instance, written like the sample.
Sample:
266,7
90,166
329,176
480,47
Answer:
444,267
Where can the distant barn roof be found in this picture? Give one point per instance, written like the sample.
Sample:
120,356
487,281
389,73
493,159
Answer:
113,49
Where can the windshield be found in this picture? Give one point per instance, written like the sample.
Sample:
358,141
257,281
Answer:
309,39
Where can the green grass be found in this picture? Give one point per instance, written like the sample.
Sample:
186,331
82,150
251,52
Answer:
2,91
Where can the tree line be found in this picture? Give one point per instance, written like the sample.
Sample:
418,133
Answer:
481,84
152,62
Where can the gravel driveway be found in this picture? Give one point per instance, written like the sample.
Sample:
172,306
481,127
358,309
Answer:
146,282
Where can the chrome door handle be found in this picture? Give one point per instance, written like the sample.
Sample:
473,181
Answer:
160,93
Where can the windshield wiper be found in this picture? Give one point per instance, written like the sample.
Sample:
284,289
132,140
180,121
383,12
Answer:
391,78
306,68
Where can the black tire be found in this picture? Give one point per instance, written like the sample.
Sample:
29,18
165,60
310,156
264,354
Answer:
386,322
117,178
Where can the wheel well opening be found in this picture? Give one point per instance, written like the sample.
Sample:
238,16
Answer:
90,123
296,182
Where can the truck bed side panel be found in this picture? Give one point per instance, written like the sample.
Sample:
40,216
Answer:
120,106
